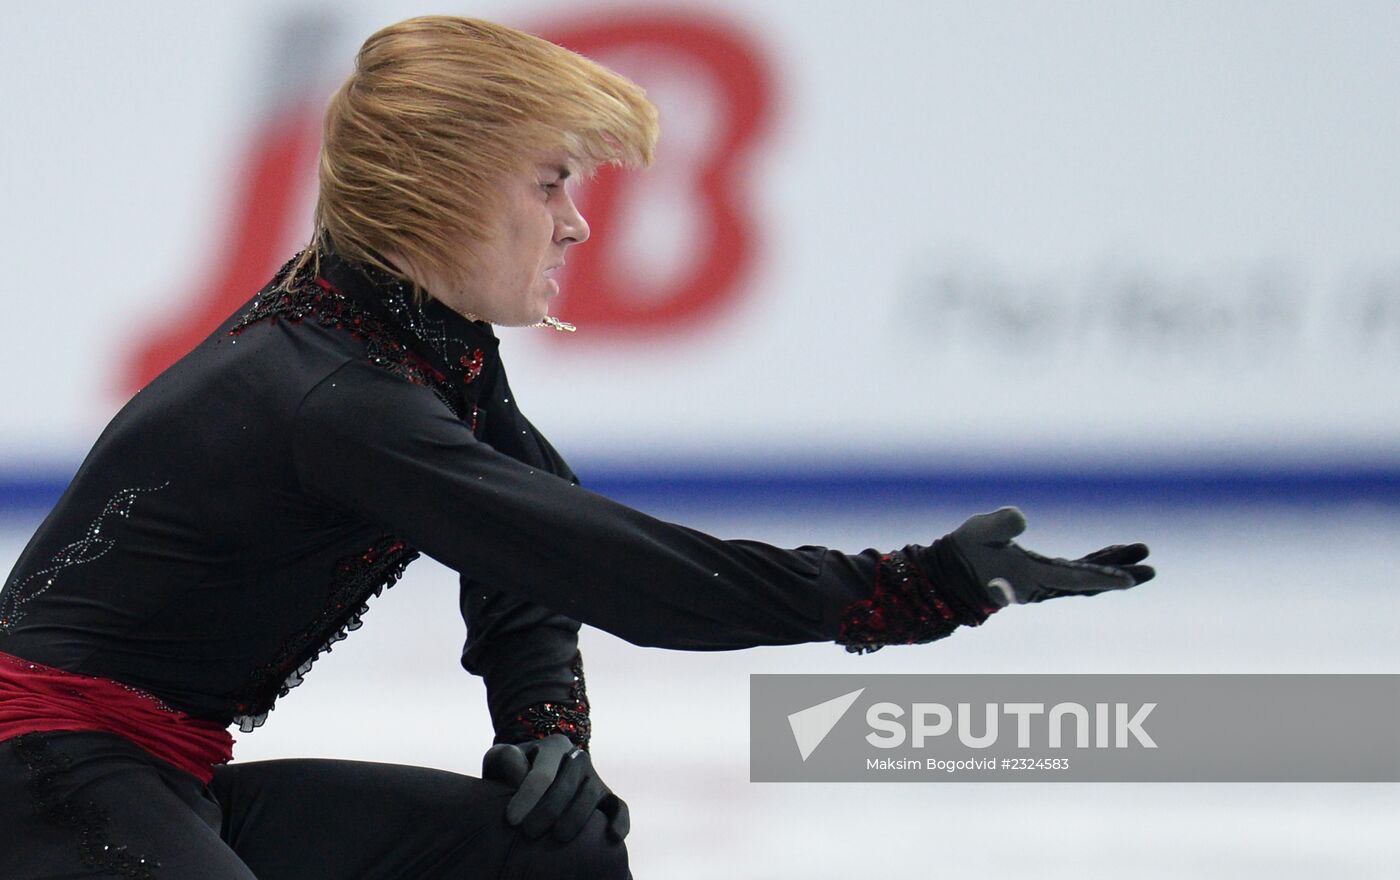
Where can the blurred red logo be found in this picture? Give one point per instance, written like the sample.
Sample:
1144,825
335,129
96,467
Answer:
671,247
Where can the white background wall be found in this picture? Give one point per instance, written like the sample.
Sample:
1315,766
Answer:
1031,231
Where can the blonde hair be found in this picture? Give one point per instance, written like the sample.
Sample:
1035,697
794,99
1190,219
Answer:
437,111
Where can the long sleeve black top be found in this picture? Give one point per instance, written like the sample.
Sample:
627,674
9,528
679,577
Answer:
236,515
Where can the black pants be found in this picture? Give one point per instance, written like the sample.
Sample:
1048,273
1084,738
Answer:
94,805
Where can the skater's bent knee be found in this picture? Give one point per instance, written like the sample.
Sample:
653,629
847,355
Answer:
593,854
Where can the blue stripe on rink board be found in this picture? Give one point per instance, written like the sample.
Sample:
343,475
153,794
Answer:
1176,487
30,491
35,491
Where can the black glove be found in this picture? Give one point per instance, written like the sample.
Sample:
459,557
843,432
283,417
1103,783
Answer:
557,788
1011,574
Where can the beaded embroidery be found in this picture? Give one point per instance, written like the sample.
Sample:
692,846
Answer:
444,332
569,717
357,578
395,296
472,366
88,819
90,547
905,609
335,310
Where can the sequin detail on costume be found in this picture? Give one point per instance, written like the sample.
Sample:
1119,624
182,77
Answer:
398,299
335,310
429,322
357,578
905,609
472,366
90,547
88,819
569,717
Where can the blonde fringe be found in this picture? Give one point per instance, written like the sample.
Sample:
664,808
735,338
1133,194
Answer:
436,111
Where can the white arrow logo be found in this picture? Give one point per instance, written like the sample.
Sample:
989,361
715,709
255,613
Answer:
811,725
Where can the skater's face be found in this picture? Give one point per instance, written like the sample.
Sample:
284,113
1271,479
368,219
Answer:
512,280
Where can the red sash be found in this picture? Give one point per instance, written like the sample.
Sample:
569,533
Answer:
35,698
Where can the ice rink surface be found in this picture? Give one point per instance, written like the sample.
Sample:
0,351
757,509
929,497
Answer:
1244,589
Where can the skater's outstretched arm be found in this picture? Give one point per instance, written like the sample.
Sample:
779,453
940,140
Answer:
392,453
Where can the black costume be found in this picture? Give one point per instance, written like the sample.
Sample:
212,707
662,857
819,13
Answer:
235,517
